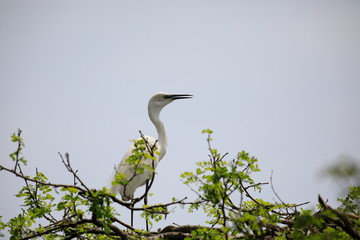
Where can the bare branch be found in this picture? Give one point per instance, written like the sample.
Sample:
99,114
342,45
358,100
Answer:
39,182
70,169
273,189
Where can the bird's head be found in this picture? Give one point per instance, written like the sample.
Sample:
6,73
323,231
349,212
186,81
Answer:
162,99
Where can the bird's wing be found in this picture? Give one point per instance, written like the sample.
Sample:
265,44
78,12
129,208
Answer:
124,168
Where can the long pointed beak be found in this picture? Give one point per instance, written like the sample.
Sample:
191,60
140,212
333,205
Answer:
179,96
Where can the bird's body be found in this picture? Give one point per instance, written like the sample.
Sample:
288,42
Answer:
127,191
136,180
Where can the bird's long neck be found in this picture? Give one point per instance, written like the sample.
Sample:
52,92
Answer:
160,128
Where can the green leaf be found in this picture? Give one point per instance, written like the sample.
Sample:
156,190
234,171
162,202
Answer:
208,131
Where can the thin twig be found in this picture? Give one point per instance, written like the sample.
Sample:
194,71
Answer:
18,150
273,189
70,169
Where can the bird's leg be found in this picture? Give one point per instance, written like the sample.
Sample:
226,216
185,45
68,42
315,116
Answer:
132,213
146,202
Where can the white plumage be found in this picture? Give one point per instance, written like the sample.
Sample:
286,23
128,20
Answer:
155,105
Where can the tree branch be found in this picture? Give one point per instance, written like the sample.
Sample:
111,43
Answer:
39,182
343,221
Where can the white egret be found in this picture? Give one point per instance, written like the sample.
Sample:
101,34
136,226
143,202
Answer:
136,180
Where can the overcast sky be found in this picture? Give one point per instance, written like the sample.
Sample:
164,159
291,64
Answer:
279,79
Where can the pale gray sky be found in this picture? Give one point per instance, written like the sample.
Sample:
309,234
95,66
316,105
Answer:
279,79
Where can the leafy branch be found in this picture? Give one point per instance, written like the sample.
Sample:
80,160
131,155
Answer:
225,190
81,211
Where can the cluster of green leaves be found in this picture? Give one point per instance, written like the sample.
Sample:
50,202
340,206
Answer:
154,213
327,223
203,233
142,158
351,203
310,226
38,203
75,213
54,214
100,207
225,191
317,226
2,227
16,155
